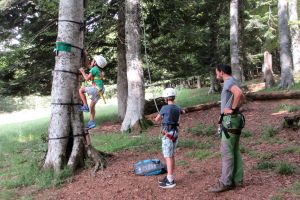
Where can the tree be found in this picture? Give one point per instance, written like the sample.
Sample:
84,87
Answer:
268,70
135,76
66,122
295,35
234,48
287,79
122,85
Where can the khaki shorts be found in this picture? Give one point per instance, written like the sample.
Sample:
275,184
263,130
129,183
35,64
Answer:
168,146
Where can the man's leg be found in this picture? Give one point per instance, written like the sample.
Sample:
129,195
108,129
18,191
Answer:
238,172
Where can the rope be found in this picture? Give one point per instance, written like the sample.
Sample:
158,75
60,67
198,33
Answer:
146,59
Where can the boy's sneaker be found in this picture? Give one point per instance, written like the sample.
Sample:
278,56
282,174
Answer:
162,180
91,124
167,184
84,108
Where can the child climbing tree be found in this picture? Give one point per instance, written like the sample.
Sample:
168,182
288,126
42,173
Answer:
66,123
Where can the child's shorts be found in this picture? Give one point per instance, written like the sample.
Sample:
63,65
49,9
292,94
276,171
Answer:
168,147
93,92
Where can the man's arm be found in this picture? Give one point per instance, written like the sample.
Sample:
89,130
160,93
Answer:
238,97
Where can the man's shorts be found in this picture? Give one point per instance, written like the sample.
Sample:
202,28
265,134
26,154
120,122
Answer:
168,146
93,92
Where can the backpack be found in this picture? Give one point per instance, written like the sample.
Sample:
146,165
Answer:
149,167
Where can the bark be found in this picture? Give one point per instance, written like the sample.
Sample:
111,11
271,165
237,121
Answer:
198,82
122,86
65,120
135,76
234,49
273,95
287,79
295,36
215,86
268,70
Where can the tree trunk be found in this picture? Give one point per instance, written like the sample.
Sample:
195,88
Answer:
287,79
198,82
65,120
268,70
234,49
135,76
295,36
122,85
215,86
255,96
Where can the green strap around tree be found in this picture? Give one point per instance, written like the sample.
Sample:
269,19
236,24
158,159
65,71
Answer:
63,46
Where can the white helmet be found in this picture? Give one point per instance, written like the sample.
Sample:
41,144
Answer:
169,92
100,60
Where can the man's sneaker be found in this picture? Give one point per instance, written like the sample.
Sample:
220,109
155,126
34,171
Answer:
162,180
84,108
220,187
91,124
167,184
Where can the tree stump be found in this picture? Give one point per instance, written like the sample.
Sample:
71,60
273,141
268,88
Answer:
292,122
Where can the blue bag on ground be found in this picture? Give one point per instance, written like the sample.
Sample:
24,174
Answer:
149,167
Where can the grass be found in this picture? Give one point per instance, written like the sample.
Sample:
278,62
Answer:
273,89
288,108
285,168
202,129
200,154
291,149
269,132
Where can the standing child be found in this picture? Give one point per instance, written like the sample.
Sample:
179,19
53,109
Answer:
170,116
96,75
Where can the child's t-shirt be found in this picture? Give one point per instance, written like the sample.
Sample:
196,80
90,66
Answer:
96,73
170,114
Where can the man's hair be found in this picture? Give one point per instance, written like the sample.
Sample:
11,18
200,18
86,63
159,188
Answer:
170,98
224,68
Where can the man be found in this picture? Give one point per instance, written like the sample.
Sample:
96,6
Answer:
231,123
96,75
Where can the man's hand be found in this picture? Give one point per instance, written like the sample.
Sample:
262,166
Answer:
228,111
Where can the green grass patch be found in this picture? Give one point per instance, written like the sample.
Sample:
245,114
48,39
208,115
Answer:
295,189
246,134
269,132
192,144
291,149
285,168
119,142
202,129
288,108
265,165
200,154
191,97
182,163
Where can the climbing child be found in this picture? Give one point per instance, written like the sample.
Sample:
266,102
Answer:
96,76
170,116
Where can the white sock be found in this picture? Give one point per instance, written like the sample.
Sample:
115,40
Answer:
170,178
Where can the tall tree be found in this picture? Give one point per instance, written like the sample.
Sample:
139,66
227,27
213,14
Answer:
287,78
66,121
234,47
295,35
135,76
122,85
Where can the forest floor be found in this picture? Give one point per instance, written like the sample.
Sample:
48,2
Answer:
195,176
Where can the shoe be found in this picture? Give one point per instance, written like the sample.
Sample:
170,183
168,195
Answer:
167,184
84,108
91,124
219,187
162,180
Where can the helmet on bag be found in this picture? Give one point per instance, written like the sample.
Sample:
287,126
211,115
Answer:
169,92
100,60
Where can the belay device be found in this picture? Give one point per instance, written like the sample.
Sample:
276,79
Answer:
149,167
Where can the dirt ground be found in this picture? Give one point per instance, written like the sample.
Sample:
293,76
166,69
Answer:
118,181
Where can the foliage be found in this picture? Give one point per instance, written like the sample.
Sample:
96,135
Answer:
285,168
202,129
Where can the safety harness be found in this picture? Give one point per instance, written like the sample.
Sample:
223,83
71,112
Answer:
234,123
170,131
